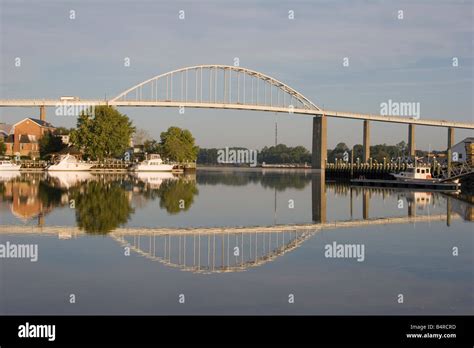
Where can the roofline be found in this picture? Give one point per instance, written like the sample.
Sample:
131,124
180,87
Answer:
29,118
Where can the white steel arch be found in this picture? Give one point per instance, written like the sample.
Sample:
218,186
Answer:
216,85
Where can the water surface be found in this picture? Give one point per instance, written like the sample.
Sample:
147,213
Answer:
132,244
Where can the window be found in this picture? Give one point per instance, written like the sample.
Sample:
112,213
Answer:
418,170
422,171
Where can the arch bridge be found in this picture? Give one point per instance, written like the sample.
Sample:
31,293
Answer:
238,88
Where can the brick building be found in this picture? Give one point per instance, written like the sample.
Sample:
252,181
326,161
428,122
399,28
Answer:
25,136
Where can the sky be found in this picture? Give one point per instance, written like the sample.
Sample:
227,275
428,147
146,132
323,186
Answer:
403,60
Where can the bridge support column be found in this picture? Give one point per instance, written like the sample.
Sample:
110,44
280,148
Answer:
411,140
450,137
366,143
43,113
318,160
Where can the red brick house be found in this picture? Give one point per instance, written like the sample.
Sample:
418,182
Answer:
25,136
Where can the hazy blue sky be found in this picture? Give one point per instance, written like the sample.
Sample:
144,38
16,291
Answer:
407,60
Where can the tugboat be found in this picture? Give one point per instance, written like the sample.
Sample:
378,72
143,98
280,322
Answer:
420,172
416,177
153,164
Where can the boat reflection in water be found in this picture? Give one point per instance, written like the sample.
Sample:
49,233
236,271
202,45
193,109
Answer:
8,175
154,179
68,179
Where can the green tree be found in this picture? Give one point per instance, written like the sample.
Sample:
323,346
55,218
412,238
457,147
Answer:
103,132
62,131
207,156
50,143
284,154
338,152
151,146
178,145
3,147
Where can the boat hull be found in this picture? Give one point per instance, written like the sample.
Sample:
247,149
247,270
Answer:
156,168
70,168
411,184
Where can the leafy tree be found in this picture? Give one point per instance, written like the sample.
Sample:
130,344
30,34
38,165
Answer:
141,136
207,156
151,146
178,145
338,152
103,132
3,147
284,154
50,143
62,131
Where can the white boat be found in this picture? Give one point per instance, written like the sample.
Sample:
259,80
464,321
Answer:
9,165
69,163
419,173
153,164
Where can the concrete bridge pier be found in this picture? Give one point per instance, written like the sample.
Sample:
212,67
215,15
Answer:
411,141
450,137
318,160
366,143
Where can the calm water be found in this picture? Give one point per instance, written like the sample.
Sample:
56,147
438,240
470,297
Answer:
124,244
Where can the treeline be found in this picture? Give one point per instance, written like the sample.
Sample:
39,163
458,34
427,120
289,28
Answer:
282,154
377,152
270,155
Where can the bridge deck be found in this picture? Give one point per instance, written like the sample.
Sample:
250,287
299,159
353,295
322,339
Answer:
239,106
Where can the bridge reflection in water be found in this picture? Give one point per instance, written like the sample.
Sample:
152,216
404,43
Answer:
214,252
235,249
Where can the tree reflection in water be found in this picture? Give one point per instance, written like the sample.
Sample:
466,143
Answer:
177,195
101,206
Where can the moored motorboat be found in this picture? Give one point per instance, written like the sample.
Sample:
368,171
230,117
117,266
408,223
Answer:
9,165
69,163
417,177
152,164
